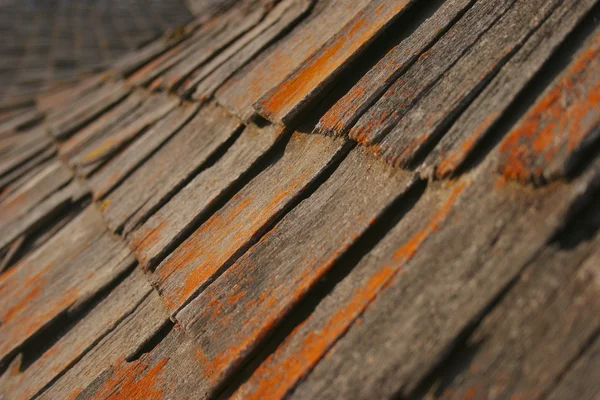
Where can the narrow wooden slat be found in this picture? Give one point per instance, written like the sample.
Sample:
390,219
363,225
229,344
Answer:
123,164
492,231
235,227
287,99
346,111
101,320
210,77
427,70
427,120
326,18
474,125
122,343
552,135
263,286
174,163
68,270
168,224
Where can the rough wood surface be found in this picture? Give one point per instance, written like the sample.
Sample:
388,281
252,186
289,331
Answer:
96,154
346,111
326,18
85,109
243,220
474,125
263,286
121,344
155,238
67,271
103,181
550,138
302,349
429,117
102,319
413,325
177,161
287,99
210,77
410,86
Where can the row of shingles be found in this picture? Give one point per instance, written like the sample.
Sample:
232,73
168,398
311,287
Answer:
513,226
303,349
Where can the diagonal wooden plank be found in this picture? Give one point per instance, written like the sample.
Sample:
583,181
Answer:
427,120
177,161
243,220
102,182
475,124
410,86
155,237
348,109
102,319
285,101
326,18
261,288
550,138
409,329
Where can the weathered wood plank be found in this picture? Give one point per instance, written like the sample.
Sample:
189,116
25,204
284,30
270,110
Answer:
280,19
13,180
142,192
20,149
326,18
561,124
99,151
102,182
80,338
20,121
492,231
427,120
170,370
157,235
427,70
260,289
533,335
346,111
216,37
302,349
105,123
85,109
287,99
121,344
77,263
243,220
474,125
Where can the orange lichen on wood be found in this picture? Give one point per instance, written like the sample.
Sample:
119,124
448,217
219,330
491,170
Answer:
298,354
558,123
282,99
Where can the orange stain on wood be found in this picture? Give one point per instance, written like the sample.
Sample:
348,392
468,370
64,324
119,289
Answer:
558,123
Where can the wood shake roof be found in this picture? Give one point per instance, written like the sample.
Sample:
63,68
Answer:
313,199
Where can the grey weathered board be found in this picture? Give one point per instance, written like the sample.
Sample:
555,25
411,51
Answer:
326,18
285,101
155,238
177,161
476,122
346,111
495,228
528,341
427,120
103,181
101,320
123,343
243,220
206,80
68,270
302,349
410,86
260,289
